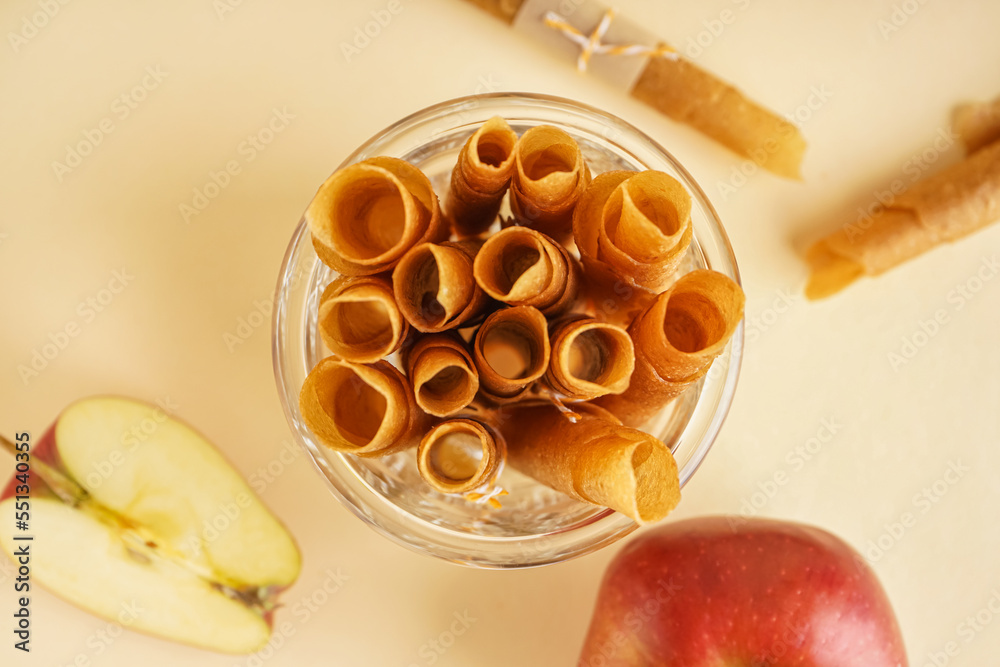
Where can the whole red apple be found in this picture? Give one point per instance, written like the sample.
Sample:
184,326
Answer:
718,592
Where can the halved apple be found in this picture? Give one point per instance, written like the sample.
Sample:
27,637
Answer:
132,509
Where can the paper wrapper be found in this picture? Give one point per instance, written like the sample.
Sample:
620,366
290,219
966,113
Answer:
595,459
672,85
435,288
676,340
461,456
481,178
442,373
522,267
359,320
978,124
511,351
362,409
950,204
367,215
589,359
549,177
632,230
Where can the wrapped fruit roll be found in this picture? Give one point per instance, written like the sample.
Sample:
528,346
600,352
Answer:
631,58
461,456
367,215
359,320
434,286
676,340
522,267
632,230
954,202
480,178
511,351
362,409
549,177
589,358
442,373
594,459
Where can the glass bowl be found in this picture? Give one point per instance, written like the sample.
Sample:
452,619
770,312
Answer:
536,525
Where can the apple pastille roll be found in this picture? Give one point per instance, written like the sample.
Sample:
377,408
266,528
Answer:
632,230
590,358
463,456
363,409
978,124
678,88
511,351
368,214
594,459
522,267
359,320
442,373
481,178
676,340
952,203
435,288
550,175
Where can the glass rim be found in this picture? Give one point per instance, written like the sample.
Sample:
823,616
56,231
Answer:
604,527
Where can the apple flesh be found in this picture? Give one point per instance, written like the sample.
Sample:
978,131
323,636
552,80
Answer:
710,593
160,524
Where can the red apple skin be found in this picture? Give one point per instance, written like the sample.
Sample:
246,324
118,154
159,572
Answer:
44,450
728,592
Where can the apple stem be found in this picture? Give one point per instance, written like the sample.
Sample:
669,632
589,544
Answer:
65,488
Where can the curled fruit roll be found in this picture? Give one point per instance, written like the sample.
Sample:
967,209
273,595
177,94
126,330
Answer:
359,320
463,456
632,230
363,409
593,458
366,215
442,373
954,202
676,339
481,178
550,175
683,91
522,267
434,286
511,351
978,124
589,359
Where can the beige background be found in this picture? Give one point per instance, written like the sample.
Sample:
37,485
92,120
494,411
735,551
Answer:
887,99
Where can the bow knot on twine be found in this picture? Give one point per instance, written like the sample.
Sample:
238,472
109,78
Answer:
591,44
